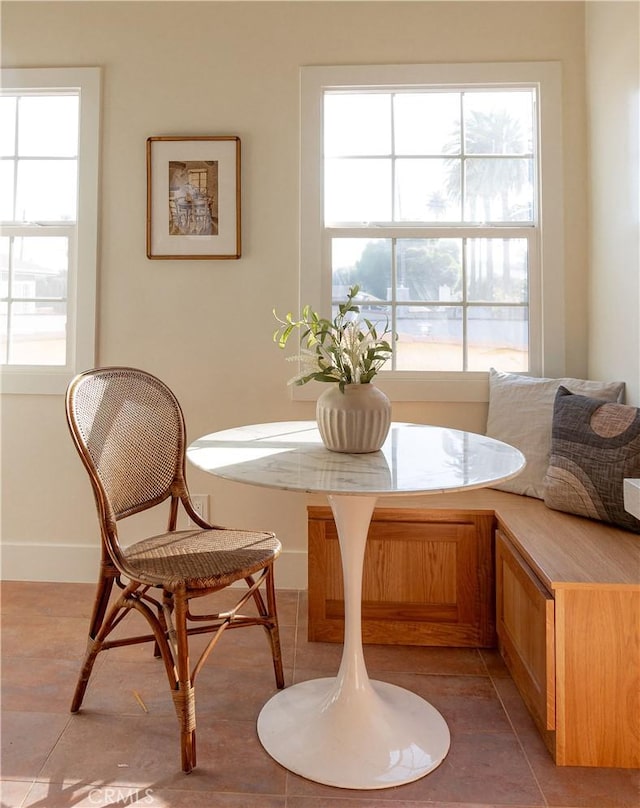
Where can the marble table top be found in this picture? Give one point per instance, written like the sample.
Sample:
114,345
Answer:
415,458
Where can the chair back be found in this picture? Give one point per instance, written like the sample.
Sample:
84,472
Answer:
129,430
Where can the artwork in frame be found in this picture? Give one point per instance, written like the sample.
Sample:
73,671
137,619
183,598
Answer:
193,197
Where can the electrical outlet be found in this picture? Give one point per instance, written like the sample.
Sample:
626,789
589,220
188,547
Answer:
200,503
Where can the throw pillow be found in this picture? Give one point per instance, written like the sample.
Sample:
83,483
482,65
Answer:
594,446
521,412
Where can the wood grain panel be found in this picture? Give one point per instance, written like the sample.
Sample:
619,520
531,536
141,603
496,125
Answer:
598,690
428,578
525,625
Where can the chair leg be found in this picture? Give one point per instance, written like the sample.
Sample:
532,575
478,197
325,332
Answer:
273,631
103,593
167,599
184,694
91,653
108,574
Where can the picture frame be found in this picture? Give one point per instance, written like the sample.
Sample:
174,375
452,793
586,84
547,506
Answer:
193,198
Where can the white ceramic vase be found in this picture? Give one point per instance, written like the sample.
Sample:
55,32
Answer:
356,420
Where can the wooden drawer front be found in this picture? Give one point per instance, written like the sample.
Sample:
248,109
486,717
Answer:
425,582
525,625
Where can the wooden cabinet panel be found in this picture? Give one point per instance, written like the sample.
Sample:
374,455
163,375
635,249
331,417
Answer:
428,578
575,658
525,626
598,676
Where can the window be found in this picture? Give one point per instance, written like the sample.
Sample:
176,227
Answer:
48,236
422,184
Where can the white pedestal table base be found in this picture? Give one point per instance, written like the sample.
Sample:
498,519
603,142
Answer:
377,737
350,731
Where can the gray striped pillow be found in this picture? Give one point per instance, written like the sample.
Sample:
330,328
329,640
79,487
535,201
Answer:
594,445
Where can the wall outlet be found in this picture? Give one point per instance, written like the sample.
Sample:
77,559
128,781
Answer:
200,503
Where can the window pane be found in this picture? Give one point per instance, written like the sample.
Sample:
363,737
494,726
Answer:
365,262
7,126
427,123
6,190
47,190
4,264
430,269
36,326
357,124
498,337
429,338
497,270
498,122
3,333
38,333
498,189
59,137
40,257
427,190
358,190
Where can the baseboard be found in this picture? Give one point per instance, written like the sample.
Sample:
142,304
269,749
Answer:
72,563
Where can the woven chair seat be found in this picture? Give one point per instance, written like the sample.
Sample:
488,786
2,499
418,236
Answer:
200,559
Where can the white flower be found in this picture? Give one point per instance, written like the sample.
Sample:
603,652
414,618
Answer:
347,350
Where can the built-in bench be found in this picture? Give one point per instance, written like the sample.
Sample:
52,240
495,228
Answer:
558,594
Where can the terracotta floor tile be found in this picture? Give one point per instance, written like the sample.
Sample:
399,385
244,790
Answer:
13,793
336,800
568,786
467,703
494,662
580,787
112,750
414,659
224,692
42,685
81,795
324,656
400,658
143,752
46,598
484,768
48,637
27,740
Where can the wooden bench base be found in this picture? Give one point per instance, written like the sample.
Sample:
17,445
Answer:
563,606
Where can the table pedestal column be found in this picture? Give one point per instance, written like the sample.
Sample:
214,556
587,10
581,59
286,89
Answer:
349,731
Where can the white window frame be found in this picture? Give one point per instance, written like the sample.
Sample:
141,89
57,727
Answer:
83,252
546,279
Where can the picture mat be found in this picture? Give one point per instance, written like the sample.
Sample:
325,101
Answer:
225,243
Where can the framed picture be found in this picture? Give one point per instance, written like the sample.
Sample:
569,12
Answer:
193,197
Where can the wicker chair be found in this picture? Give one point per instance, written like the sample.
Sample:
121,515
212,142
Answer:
129,430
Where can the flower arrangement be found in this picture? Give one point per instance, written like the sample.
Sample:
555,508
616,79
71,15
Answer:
346,350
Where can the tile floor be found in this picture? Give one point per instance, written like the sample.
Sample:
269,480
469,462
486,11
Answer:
112,753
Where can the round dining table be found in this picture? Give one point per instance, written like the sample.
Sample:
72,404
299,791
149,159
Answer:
350,731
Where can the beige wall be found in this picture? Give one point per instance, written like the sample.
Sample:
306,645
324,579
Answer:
613,82
205,327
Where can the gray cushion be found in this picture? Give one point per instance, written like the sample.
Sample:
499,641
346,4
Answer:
594,445
520,413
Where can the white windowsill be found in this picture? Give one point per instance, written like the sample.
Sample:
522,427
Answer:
475,388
